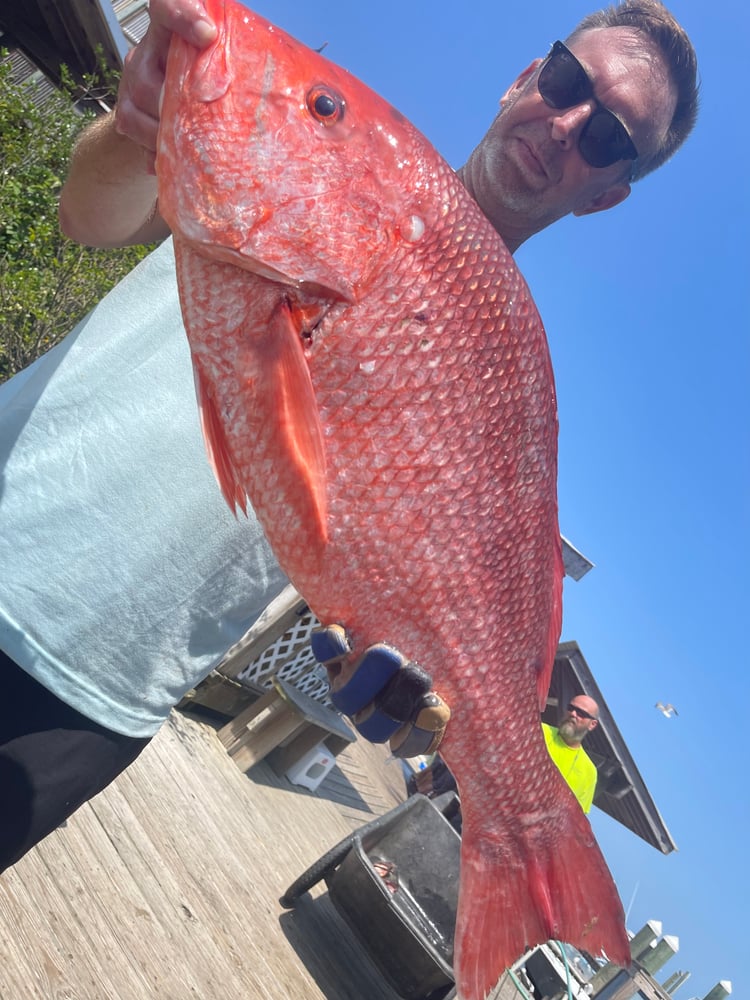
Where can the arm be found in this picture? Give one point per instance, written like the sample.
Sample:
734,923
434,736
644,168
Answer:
110,196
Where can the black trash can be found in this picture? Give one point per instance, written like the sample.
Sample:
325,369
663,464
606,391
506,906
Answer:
406,917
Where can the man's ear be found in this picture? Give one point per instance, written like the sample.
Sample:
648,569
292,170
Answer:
520,82
607,199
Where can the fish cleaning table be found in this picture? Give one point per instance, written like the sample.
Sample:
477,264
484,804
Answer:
285,720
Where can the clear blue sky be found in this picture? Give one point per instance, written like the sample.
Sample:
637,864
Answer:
646,309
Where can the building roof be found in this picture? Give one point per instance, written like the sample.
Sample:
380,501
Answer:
621,791
71,33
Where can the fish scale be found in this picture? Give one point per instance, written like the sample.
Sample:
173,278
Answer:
373,375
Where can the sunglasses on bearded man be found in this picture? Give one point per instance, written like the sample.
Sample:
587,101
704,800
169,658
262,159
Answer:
580,712
564,83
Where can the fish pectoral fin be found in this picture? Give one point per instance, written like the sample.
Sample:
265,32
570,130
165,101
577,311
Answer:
298,433
217,447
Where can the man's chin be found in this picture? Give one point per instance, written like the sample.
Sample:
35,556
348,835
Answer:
567,729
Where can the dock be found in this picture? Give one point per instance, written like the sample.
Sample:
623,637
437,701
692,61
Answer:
167,884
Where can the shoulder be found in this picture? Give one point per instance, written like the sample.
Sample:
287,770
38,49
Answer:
586,762
550,732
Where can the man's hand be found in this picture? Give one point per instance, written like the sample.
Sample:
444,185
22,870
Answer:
387,697
423,781
137,112
109,198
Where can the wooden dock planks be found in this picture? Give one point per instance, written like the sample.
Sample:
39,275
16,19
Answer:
167,884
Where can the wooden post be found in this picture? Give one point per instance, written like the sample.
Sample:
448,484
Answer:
721,991
647,936
655,958
603,976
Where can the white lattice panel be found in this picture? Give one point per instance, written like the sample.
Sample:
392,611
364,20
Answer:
291,659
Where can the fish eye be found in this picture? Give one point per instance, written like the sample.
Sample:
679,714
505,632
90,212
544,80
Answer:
325,105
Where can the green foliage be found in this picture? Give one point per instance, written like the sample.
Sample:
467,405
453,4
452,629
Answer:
47,283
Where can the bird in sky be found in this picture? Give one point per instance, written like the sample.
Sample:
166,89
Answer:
667,710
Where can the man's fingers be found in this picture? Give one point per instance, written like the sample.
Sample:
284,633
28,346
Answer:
187,18
137,115
387,697
138,126
425,732
423,781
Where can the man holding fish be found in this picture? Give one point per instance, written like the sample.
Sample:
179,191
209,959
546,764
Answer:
135,578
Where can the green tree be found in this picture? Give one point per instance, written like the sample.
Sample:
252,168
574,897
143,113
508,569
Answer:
47,283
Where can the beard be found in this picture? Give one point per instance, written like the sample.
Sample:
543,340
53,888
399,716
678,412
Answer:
570,732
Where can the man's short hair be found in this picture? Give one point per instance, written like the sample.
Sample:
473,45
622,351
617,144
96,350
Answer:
654,20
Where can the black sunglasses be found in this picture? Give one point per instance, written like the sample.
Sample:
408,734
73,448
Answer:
564,83
580,712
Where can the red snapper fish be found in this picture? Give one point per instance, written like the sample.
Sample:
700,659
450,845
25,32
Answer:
373,376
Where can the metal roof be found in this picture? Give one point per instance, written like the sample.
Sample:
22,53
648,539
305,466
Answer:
621,791
55,33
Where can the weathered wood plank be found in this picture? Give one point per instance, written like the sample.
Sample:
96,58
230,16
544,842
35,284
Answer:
219,694
167,885
51,942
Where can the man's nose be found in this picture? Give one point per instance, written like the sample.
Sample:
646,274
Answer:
568,122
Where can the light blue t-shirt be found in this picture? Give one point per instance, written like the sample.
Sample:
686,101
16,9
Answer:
124,576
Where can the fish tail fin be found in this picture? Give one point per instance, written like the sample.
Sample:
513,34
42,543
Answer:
529,889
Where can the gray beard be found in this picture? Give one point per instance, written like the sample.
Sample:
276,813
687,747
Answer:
570,731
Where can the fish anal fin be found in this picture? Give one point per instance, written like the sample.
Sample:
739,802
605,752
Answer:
529,889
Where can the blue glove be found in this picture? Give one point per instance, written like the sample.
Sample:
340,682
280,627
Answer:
387,697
